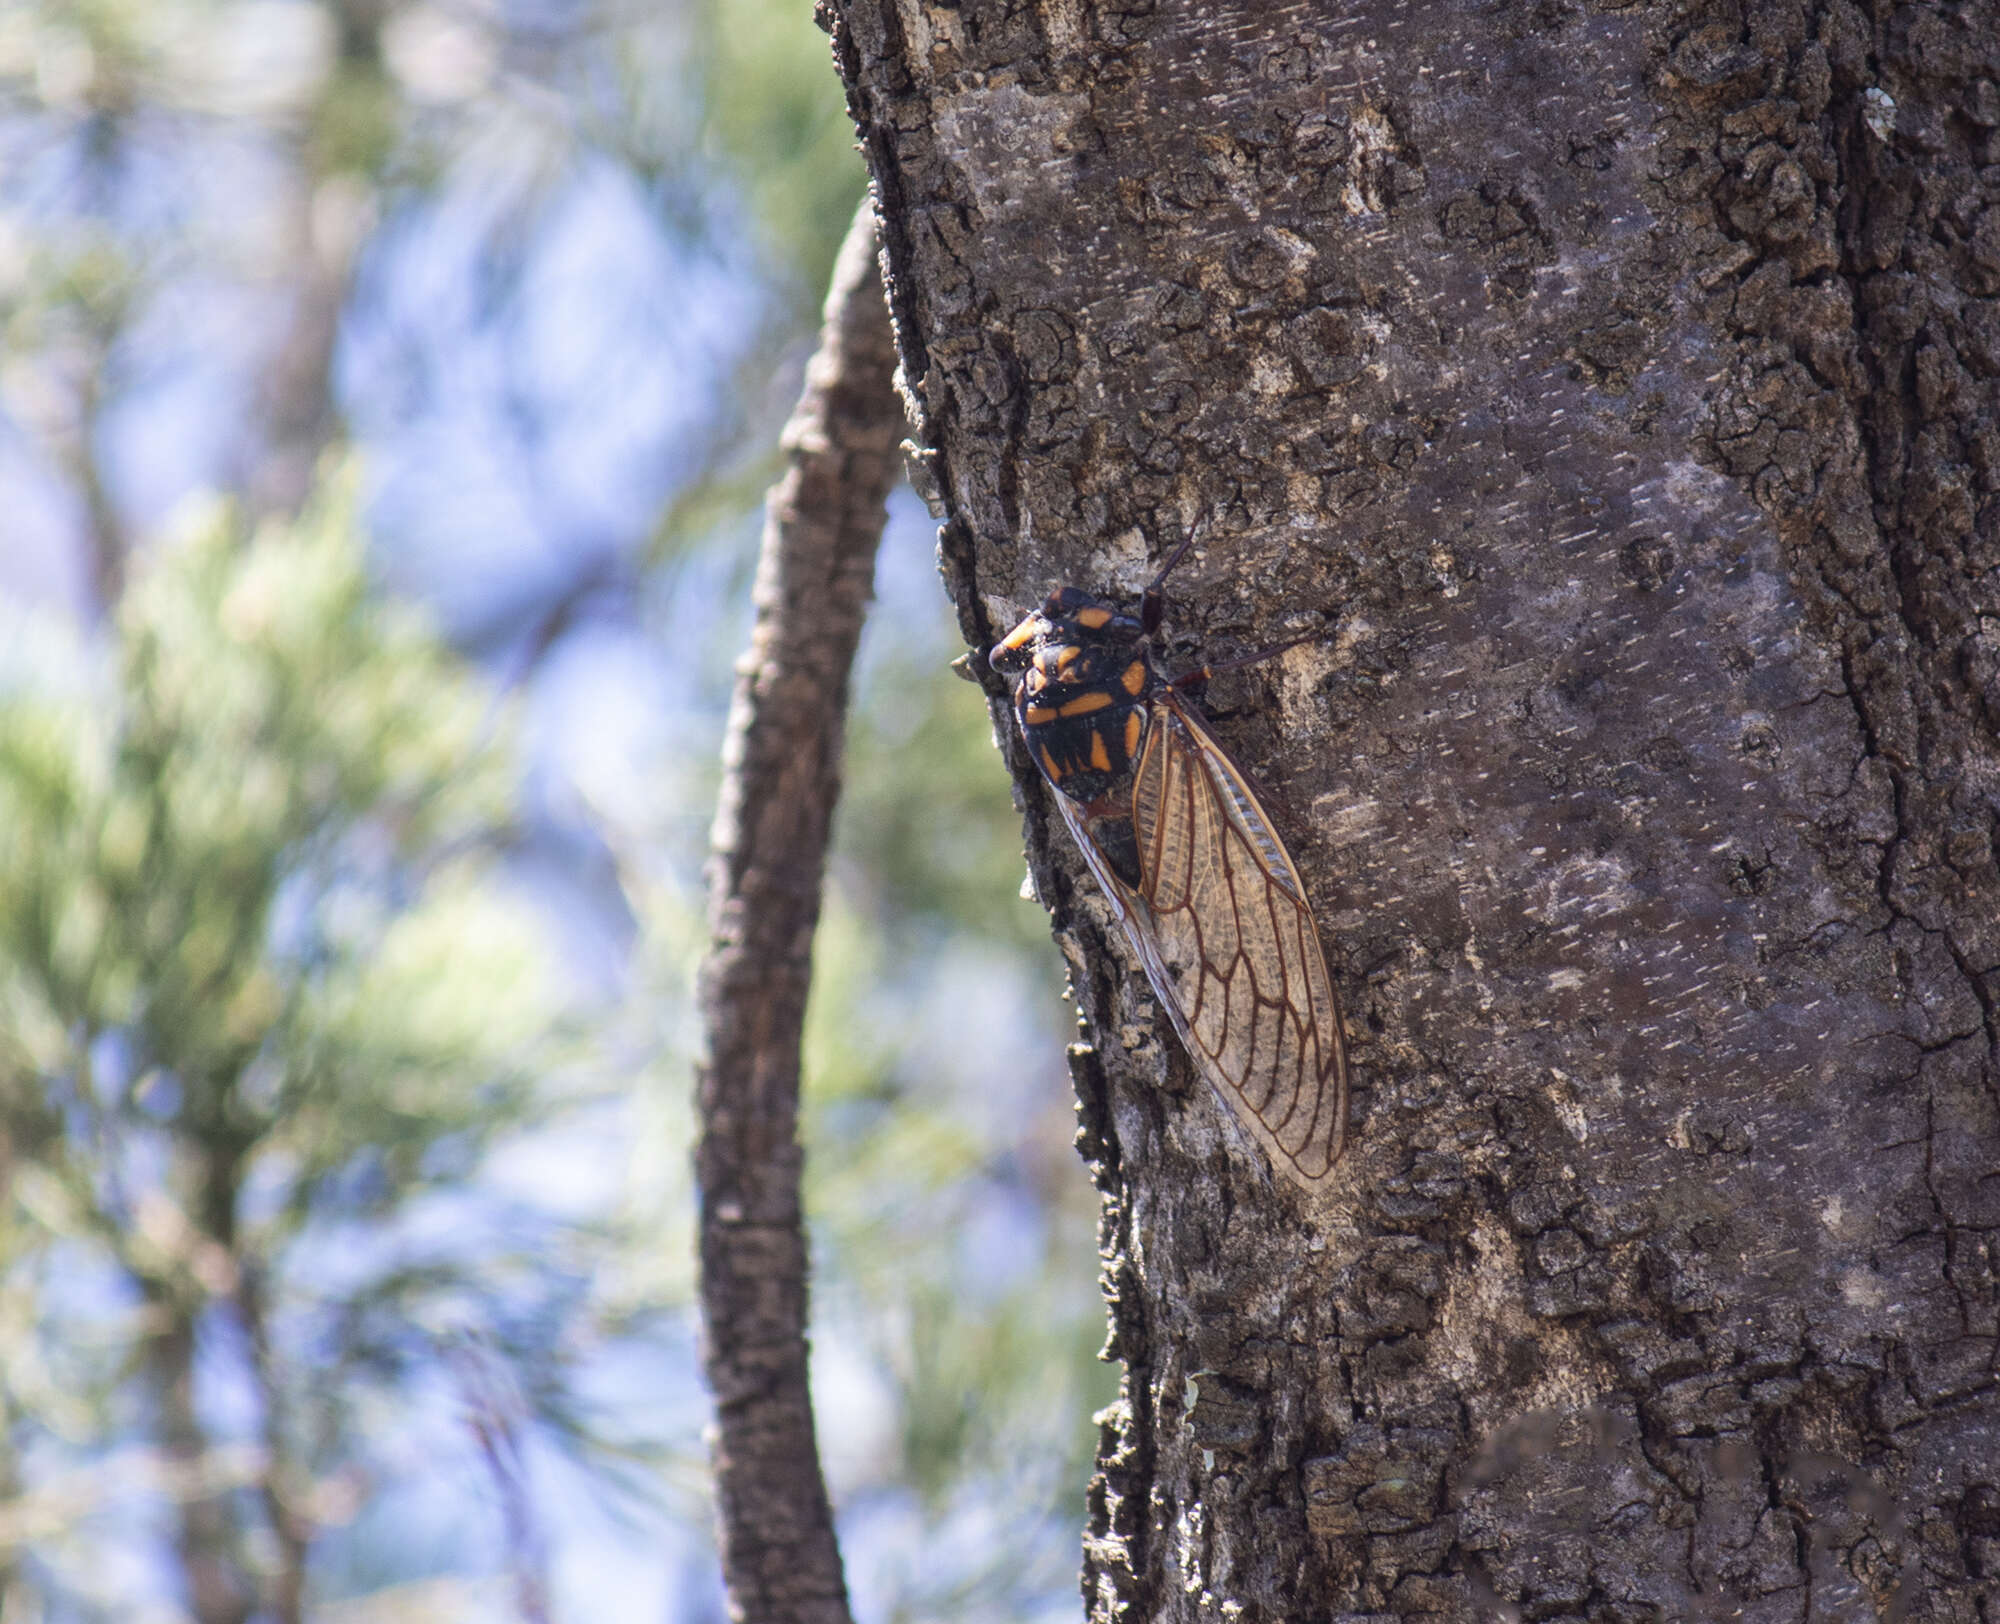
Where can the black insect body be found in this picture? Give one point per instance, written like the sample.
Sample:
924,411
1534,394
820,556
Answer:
1209,898
1084,695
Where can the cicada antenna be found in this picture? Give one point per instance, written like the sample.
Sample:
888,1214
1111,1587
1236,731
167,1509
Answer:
1152,602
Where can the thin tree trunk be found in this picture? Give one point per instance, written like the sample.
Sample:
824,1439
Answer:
219,1588
296,415
283,1483
326,214
781,778
107,545
1613,387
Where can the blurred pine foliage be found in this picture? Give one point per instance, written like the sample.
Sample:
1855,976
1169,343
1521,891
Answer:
350,831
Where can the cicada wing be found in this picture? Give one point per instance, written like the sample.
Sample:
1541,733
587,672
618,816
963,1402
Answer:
1221,926
1236,942
1133,913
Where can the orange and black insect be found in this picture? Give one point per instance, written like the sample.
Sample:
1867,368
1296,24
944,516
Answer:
1210,900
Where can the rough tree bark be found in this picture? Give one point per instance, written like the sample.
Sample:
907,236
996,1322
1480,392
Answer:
1614,386
781,776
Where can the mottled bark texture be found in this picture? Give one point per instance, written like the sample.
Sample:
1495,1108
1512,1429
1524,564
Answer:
1614,388
781,775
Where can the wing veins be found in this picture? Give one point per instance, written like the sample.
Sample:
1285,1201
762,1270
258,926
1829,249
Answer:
1201,834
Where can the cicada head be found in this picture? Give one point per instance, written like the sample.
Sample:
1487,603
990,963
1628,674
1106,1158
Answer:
1069,618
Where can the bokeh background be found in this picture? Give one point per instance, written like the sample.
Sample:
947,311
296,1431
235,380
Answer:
387,397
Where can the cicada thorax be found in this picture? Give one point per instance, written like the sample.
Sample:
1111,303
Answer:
1085,700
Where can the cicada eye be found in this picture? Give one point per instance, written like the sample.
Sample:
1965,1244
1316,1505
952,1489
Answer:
1014,651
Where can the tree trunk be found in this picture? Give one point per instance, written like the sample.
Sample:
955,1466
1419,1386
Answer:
283,1482
220,1587
1613,388
780,782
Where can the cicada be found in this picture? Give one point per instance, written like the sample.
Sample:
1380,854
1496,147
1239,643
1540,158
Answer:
1195,871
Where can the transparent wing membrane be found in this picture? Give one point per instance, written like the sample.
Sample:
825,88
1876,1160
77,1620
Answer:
1221,925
